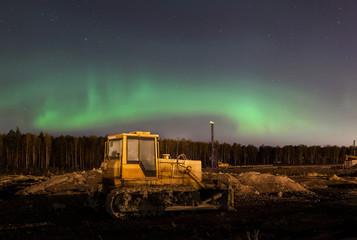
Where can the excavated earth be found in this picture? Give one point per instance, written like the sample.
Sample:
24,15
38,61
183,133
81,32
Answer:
270,203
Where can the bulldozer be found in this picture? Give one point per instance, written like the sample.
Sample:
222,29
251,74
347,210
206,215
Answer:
137,182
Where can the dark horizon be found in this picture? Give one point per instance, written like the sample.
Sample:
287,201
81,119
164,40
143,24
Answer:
178,139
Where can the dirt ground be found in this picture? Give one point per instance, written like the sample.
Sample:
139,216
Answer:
275,203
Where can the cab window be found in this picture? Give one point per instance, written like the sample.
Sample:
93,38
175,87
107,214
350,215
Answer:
133,150
115,148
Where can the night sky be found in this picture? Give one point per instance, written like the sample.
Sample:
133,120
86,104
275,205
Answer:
266,72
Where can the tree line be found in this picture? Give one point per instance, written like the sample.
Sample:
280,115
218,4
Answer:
238,155
37,154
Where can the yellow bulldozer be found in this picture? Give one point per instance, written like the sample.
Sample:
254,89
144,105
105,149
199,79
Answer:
137,182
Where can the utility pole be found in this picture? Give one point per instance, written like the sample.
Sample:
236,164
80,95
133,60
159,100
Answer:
213,163
354,147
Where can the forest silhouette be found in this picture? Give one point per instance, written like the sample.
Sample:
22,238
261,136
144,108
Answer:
42,154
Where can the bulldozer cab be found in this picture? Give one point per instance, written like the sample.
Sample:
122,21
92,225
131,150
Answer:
131,155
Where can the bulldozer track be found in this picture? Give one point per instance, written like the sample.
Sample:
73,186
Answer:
124,202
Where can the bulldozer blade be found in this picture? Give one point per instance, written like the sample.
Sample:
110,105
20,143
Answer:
192,208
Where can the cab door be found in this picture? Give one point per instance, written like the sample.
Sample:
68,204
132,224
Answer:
141,151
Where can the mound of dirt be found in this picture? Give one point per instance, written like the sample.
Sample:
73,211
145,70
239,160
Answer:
315,174
89,181
81,182
255,183
268,183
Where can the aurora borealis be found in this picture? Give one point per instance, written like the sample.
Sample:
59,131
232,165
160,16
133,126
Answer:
266,72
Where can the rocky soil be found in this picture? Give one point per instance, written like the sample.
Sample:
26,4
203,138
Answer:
310,204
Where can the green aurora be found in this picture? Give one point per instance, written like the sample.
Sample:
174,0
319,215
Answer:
100,101
256,108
